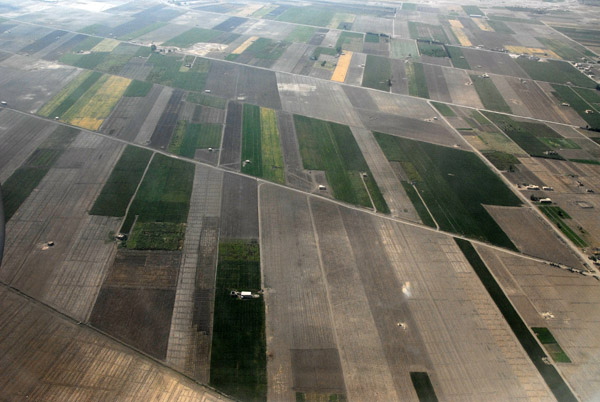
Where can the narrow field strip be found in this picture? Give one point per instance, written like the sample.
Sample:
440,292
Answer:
339,74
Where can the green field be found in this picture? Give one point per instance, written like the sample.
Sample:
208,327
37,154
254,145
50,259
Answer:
423,386
378,72
138,89
142,31
431,49
533,138
454,184
122,183
458,59
67,97
587,37
472,10
261,144
444,109
166,71
26,178
301,34
189,137
88,61
547,339
488,93
319,16
591,96
501,160
557,216
331,147
267,49
535,352
163,197
513,19
500,27
87,44
417,83
351,41
566,94
206,100
238,364
418,204
556,71
401,48
566,50
194,35
372,37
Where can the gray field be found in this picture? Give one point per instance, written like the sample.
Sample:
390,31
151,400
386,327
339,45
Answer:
295,175
291,57
493,62
239,208
461,88
436,83
145,132
355,72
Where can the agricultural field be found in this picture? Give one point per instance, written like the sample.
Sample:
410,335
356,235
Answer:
309,15
301,34
350,41
431,49
261,148
332,148
587,37
577,100
558,217
401,48
488,93
454,184
189,137
559,72
417,82
166,70
378,73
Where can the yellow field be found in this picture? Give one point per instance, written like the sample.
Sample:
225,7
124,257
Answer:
95,105
482,24
339,18
532,51
456,24
107,45
343,63
63,94
248,10
272,157
245,45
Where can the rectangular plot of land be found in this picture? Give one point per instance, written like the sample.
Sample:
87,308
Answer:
239,216
232,139
167,122
43,42
230,24
317,370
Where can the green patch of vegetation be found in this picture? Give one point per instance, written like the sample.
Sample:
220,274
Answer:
166,71
26,178
431,49
409,6
143,31
323,50
470,10
113,63
444,109
500,27
87,44
301,34
331,147
378,73
455,185
488,93
164,195
270,145
426,32
194,35
372,37
567,95
352,41
138,89
189,137
143,51
527,135
251,147
232,57
551,345
238,363
557,216
94,29
418,204
401,48
556,71
502,160
591,96
122,183
560,143
586,161
319,16
207,100
264,11
417,82
587,37
266,49
423,386
156,236
88,61
513,19
535,352
458,59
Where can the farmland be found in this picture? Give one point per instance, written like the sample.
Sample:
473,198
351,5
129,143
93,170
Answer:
350,41
558,216
189,137
69,95
489,94
332,148
417,83
458,59
555,71
166,71
301,34
401,48
122,183
192,36
239,357
319,16
377,73
137,89
578,102
454,185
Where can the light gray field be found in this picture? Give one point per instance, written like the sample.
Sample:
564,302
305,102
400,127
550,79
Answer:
461,88
355,72
290,58
147,128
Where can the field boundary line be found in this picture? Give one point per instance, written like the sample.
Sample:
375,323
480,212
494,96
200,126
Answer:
426,207
135,193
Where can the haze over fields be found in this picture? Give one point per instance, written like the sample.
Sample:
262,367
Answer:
299,201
